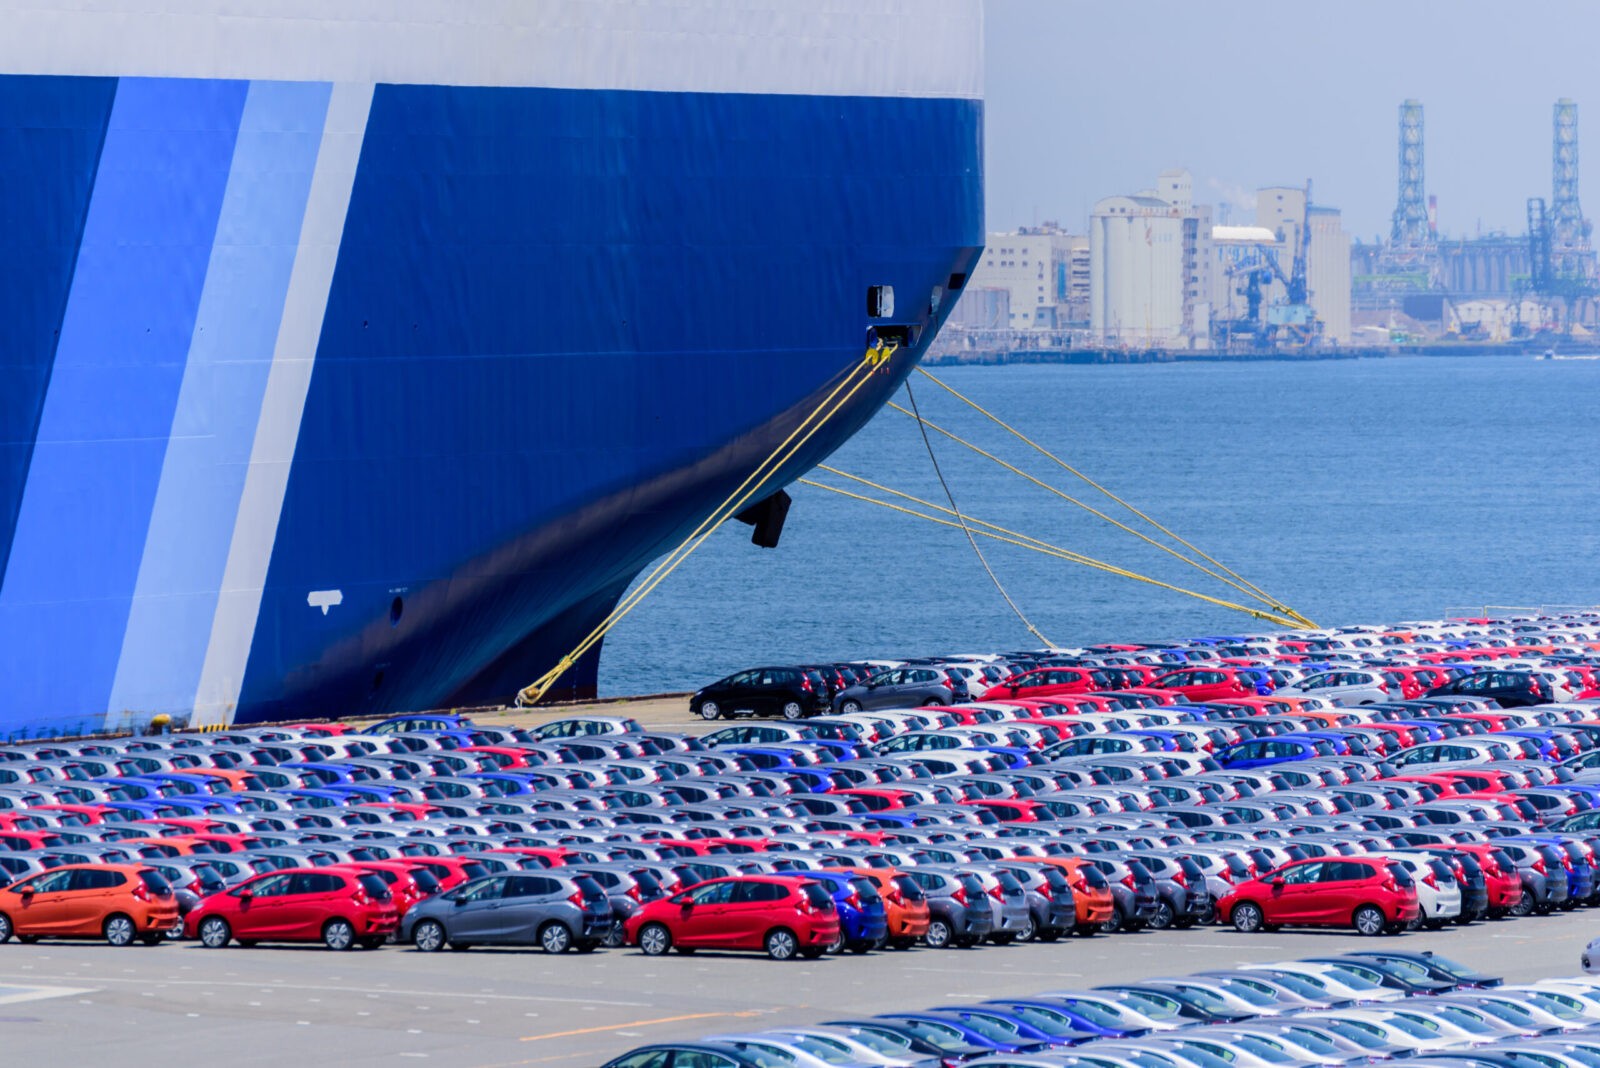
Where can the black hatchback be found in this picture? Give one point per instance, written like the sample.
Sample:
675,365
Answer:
790,692
1510,689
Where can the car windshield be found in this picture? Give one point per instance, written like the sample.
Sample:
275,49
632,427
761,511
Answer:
992,1027
1416,1028
1151,1006
1312,1042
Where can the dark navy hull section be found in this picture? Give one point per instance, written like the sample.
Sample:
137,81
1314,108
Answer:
417,379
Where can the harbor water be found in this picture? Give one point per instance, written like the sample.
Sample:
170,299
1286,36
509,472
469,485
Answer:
1354,491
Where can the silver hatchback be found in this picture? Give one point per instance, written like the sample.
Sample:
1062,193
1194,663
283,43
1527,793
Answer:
554,912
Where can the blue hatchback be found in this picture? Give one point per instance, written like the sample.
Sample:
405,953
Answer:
863,920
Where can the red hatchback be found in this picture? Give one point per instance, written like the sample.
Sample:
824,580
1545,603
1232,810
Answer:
787,916
1207,683
1042,682
337,907
1370,894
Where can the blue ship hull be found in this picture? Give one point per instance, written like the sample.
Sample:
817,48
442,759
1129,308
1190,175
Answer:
322,401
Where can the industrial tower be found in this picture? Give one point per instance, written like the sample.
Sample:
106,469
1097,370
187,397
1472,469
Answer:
1411,211
1569,230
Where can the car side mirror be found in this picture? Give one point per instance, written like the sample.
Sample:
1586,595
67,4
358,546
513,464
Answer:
27,893
246,895
1277,884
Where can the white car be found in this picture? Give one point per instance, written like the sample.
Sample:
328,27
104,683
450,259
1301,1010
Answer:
1438,892
1338,982
1346,686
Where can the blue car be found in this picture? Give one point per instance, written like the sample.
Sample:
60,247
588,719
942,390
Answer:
983,1033
863,919
1265,752
1035,1025
1050,1015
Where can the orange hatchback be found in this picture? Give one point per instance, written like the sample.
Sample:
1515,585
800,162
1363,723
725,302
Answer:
1091,894
904,902
117,902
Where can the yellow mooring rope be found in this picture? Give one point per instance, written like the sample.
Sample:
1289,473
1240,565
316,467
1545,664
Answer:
735,502
1234,579
1012,537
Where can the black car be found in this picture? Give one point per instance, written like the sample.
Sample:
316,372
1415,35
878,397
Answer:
790,692
1510,689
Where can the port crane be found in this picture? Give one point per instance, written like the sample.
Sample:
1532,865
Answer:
1291,319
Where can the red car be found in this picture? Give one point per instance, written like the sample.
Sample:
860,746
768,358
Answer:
1042,682
1208,683
1368,893
786,916
336,907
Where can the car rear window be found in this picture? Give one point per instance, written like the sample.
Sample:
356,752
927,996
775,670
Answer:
865,889
425,880
1093,878
1400,875
973,886
817,897
589,886
375,887
908,888
154,882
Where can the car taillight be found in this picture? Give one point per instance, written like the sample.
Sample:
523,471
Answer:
805,684
1079,884
141,892
1127,880
1539,867
960,894
576,898
195,887
360,897
894,897
1389,883
635,893
1566,862
997,892
805,903
854,900
1429,878
1179,878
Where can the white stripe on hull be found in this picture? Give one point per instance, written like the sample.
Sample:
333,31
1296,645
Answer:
915,48
256,527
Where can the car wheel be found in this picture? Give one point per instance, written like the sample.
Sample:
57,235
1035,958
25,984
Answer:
5,928
1115,924
338,935
1369,920
555,937
616,938
1246,917
1524,905
792,710
119,930
710,710
1163,917
654,939
153,939
849,708
937,936
836,946
1029,932
429,936
1415,923
782,944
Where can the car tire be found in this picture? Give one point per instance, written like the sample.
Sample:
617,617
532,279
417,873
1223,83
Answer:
429,936
555,938
338,934
793,710
710,710
6,928
1162,918
937,935
153,939
836,946
781,944
654,939
119,930
1369,920
616,938
1247,917
1524,905
1117,921
849,708
1029,932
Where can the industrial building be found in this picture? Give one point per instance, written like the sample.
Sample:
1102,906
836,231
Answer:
1035,267
1150,267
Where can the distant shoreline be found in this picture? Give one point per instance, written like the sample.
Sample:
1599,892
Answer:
1095,357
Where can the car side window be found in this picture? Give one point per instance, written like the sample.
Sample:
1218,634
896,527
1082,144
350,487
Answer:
96,879
272,886
530,886
696,1058
487,890
653,1058
713,894
51,883
1305,873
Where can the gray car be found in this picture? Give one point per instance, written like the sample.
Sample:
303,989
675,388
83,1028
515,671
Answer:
514,909
908,687
958,913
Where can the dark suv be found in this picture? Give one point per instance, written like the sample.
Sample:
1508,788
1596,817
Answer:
790,692
1510,689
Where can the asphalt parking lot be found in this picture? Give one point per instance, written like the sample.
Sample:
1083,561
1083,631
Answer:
144,1006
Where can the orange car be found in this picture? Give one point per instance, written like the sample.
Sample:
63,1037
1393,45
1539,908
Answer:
903,901
1090,892
117,902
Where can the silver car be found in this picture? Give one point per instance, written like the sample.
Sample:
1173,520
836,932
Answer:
1343,687
515,909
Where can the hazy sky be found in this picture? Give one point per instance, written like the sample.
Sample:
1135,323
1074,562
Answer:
1088,98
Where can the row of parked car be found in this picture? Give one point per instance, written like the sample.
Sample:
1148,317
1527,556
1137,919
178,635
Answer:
1329,1011
1018,818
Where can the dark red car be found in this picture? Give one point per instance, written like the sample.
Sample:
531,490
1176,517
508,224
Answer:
1368,893
337,907
1042,682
